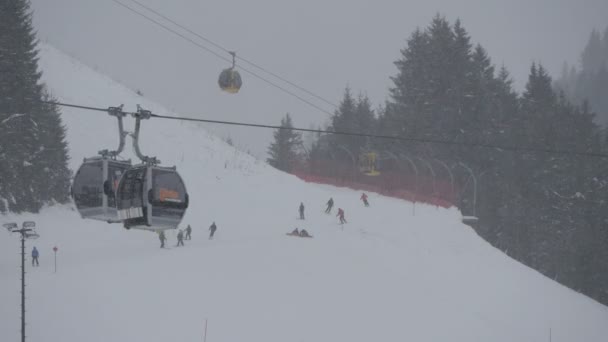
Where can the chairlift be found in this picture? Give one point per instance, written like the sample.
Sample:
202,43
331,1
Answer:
368,164
230,80
94,185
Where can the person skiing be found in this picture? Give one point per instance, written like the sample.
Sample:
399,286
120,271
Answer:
162,238
301,211
188,233
35,256
212,230
330,205
180,238
341,216
364,199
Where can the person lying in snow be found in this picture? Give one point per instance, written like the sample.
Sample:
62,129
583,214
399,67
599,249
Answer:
304,233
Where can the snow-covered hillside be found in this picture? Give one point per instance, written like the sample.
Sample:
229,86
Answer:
386,276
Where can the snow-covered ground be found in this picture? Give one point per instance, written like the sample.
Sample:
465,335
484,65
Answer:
386,276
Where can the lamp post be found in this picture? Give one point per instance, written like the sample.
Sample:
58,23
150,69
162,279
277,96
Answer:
55,249
27,232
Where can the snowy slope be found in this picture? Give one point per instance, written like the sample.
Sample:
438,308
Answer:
387,276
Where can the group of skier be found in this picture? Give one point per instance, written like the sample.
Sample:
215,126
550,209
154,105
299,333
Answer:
296,232
180,235
330,204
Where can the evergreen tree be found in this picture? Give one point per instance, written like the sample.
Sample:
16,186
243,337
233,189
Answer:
33,152
355,116
590,82
532,205
283,151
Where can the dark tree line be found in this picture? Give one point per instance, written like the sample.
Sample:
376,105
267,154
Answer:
590,80
547,210
33,150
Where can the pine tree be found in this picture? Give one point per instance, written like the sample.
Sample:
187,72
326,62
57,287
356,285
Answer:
283,151
590,82
33,152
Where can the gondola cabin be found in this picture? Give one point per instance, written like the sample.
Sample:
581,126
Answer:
368,164
94,186
230,81
151,198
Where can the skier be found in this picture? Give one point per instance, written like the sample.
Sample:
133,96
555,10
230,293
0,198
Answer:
35,256
180,238
330,205
188,233
364,199
341,216
162,238
301,211
212,230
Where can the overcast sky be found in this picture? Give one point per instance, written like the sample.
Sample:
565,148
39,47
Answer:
322,45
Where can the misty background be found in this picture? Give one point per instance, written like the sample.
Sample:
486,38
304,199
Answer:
322,46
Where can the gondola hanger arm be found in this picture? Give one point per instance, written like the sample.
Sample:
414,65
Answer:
141,114
119,114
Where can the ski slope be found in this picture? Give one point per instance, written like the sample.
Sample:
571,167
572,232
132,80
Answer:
385,276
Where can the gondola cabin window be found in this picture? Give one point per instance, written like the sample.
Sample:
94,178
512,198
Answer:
87,186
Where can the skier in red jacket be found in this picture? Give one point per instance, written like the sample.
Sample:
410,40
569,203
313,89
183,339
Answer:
364,199
341,216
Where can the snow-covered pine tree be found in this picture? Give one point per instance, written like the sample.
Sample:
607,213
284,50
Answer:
283,151
33,152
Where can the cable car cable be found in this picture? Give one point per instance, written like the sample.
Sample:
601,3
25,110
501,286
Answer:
378,136
224,49
165,27
319,97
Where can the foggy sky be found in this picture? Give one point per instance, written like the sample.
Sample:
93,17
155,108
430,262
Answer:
322,45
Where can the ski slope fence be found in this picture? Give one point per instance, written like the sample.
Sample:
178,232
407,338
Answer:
405,185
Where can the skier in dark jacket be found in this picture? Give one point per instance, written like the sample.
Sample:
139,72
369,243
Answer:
330,205
341,216
162,238
180,238
35,255
212,230
188,233
301,211
364,199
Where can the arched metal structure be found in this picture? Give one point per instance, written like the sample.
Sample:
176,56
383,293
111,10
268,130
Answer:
470,219
430,167
415,168
445,166
352,158
350,154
